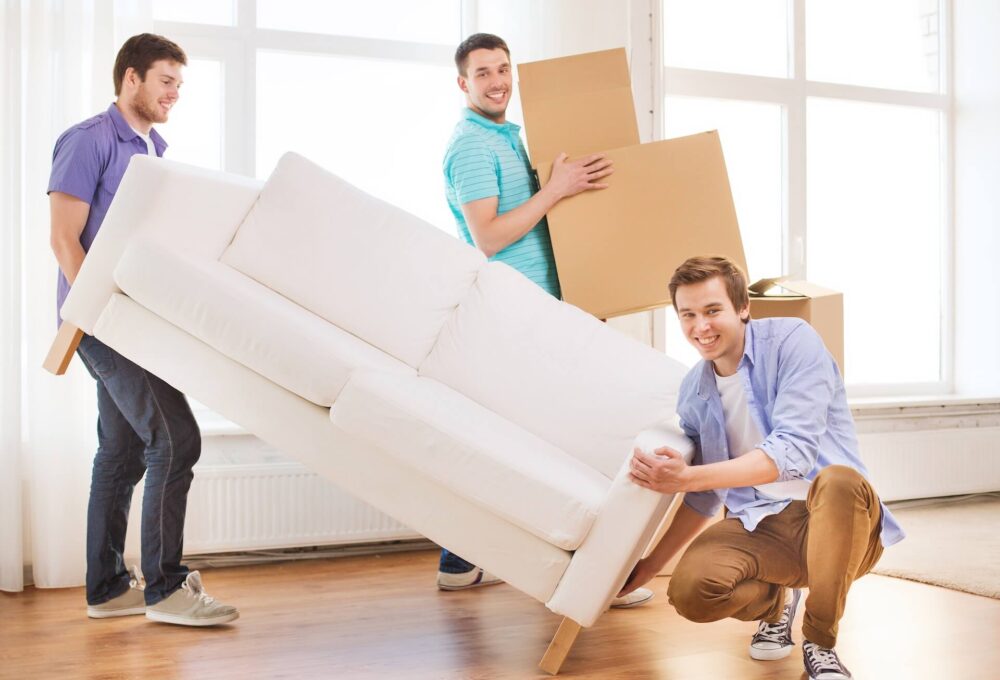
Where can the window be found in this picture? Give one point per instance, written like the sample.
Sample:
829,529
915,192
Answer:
833,115
366,90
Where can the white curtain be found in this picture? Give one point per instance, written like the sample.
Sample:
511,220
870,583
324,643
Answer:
57,59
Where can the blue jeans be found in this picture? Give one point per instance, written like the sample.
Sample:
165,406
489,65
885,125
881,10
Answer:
453,564
144,426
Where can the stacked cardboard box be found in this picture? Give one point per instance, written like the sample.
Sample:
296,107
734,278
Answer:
667,201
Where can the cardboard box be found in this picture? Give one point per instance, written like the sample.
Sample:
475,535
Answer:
821,307
616,249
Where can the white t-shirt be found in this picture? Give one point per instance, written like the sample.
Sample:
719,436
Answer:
150,147
743,436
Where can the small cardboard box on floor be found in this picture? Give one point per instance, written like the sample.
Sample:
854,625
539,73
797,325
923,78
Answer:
616,249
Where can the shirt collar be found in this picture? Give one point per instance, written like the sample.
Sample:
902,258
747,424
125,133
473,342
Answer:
707,384
470,115
125,131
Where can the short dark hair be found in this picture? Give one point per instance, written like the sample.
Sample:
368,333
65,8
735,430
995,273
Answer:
140,52
477,41
698,269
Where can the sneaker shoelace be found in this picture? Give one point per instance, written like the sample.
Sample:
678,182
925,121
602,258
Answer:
136,579
194,587
773,632
824,660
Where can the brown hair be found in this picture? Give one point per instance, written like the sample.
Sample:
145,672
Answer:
698,269
140,52
477,41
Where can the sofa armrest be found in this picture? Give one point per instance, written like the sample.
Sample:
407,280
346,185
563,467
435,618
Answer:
627,521
195,210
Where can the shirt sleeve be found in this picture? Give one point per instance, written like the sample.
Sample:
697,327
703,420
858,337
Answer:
76,165
807,383
473,173
705,503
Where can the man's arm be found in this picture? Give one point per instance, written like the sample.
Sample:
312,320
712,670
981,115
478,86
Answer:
492,233
665,471
687,524
68,216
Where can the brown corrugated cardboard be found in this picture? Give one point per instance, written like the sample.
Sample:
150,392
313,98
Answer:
617,248
666,201
577,105
821,307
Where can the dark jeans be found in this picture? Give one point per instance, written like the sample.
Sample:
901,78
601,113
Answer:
453,564
144,426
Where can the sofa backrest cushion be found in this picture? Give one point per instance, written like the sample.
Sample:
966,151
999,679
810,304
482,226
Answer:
553,369
362,264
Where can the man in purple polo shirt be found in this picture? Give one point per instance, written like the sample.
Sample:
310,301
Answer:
144,425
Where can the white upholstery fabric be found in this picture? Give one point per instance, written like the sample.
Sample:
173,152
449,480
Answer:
195,209
553,369
247,322
304,432
475,453
367,266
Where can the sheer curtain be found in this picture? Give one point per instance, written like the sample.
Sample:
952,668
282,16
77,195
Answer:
57,58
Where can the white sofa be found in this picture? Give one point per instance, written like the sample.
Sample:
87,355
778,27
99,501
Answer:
448,392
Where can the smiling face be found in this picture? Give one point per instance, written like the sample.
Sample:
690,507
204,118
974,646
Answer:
488,83
151,100
711,323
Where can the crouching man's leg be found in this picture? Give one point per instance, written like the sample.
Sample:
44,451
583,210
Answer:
729,572
845,521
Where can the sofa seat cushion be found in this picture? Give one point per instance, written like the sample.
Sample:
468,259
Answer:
553,369
247,322
474,452
367,266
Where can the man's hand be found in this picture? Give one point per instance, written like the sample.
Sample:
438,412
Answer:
664,470
571,177
643,572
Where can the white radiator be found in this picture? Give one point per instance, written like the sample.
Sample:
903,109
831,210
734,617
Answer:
276,503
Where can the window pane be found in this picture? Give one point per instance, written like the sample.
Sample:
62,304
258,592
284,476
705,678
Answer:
431,21
381,125
222,12
751,136
889,43
875,233
194,131
735,36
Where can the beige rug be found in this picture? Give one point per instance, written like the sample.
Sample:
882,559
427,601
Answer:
950,543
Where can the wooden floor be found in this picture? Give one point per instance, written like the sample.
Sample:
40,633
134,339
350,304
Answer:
381,617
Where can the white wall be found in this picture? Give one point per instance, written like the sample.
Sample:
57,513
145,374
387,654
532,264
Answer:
977,196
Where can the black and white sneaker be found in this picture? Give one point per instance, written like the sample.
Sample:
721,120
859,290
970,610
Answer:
822,663
774,640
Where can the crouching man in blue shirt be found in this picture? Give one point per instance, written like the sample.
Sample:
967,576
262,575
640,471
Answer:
775,444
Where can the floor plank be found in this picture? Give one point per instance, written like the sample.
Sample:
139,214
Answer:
381,617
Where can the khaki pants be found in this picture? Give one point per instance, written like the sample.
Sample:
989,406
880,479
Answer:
824,543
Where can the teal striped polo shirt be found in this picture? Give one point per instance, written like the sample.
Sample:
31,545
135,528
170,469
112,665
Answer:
488,159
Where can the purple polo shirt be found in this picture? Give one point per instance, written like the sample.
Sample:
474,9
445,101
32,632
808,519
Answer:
88,163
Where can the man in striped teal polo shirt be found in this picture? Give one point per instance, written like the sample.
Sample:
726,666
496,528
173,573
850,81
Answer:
491,189
493,194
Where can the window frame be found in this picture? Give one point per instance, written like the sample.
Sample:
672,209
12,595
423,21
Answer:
792,94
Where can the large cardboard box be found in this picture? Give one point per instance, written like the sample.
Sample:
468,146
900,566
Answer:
617,248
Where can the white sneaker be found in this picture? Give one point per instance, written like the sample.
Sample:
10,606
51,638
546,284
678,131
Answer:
471,579
129,603
636,598
190,605
822,663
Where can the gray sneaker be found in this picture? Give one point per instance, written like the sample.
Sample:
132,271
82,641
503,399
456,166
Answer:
822,663
129,603
774,640
190,605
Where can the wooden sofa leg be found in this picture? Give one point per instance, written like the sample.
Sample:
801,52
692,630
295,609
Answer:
560,646
62,349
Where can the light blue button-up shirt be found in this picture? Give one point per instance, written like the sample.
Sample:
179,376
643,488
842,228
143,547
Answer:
796,398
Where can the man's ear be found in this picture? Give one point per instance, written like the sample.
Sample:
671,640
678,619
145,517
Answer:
463,85
745,314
